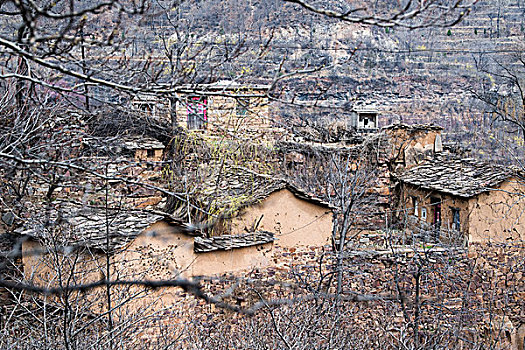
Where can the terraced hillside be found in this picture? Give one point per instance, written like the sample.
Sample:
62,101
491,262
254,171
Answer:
421,75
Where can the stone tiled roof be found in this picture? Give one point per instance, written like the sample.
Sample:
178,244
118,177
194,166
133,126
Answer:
460,177
229,242
413,127
86,227
237,188
141,142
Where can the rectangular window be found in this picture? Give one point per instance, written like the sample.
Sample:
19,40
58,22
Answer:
367,121
197,112
241,107
456,222
415,206
151,153
424,214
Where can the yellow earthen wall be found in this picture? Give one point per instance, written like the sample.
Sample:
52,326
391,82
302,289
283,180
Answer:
162,253
51,270
498,215
294,221
41,268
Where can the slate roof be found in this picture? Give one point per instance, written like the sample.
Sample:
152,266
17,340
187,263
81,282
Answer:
86,227
141,142
413,127
464,178
229,242
236,188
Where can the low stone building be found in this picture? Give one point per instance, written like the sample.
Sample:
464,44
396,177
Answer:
477,200
224,107
144,148
143,244
364,119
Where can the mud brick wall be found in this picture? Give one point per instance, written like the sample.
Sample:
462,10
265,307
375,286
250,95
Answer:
474,296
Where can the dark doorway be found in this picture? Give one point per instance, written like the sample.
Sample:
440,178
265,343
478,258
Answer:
435,203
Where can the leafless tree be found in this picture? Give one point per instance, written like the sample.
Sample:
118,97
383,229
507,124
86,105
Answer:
69,70
501,91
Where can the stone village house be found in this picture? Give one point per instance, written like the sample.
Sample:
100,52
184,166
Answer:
143,148
445,196
274,214
228,108
464,199
440,194
221,108
475,199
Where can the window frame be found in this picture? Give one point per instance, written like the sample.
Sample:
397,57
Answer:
242,107
197,112
415,206
456,224
424,214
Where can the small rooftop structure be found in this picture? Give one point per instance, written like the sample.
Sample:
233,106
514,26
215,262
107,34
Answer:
141,142
364,119
143,147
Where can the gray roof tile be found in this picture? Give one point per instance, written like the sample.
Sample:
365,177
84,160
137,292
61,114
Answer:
459,177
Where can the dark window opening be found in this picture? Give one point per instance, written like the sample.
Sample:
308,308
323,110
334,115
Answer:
197,112
436,214
151,153
367,120
415,206
424,214
241,107
456,222
436,210
146,107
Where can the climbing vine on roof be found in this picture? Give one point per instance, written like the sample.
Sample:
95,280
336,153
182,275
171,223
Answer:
216,176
